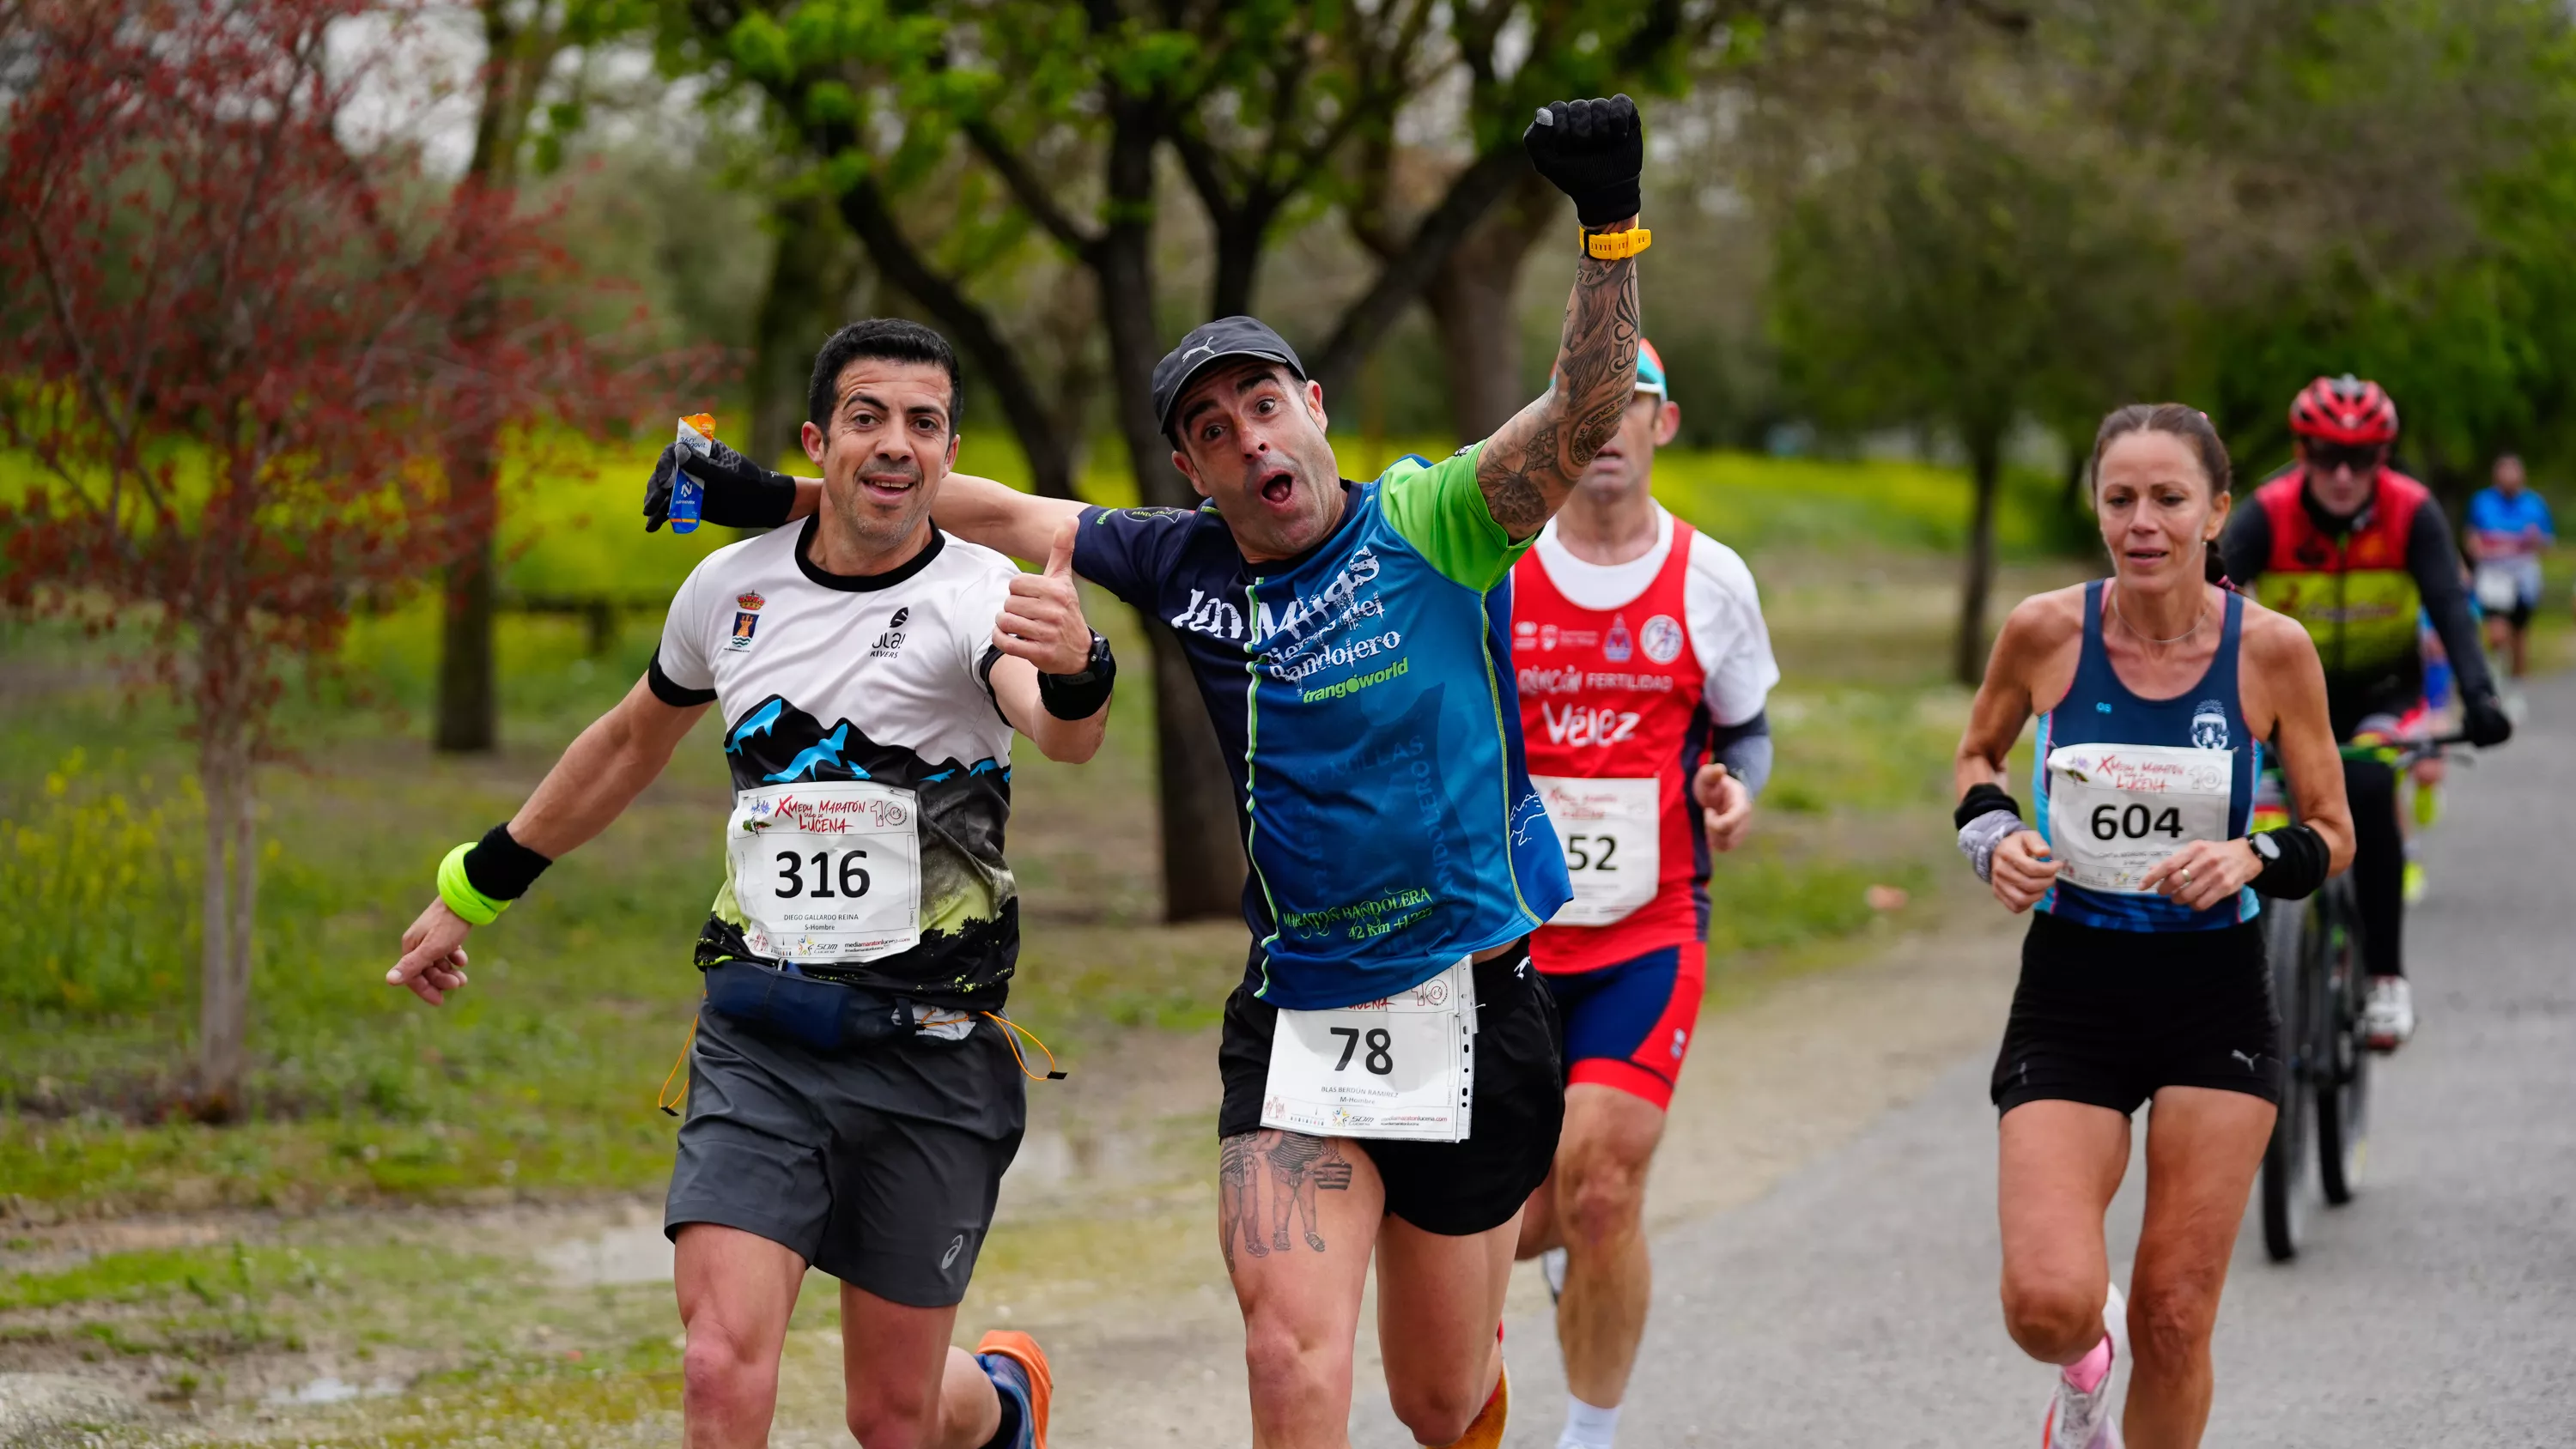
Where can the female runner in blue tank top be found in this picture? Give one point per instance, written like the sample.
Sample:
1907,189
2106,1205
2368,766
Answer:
2143,977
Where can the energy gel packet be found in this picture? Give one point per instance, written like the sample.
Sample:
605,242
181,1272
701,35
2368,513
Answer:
696,431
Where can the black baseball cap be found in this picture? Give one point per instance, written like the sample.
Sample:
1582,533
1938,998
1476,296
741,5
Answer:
1208,344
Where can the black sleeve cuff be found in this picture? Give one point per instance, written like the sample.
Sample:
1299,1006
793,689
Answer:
2302,867
984,676
1982,800
500,867
671,691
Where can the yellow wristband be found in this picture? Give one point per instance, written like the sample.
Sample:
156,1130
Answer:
476,908
1615,246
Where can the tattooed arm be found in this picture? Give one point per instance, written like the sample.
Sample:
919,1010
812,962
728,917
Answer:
1593,151
1533,461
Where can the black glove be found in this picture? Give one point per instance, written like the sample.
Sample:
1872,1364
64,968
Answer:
2487,725
739,492
1592,151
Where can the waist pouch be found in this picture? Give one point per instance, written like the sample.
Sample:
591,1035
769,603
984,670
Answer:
828,1016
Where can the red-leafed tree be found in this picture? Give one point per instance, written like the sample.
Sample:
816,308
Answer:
230,350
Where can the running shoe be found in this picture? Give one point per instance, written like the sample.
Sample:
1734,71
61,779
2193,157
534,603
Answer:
1551,1267
2078,1419
2388,1013
1018,1369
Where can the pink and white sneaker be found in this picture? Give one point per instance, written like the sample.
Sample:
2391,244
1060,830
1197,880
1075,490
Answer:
2082,1418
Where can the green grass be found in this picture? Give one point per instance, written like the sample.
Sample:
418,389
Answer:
542,1078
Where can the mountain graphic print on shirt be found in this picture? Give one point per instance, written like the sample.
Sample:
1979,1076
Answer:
832,687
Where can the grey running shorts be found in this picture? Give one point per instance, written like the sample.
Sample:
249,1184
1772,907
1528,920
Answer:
879,1165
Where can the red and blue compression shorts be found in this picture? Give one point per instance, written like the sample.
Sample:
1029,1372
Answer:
1629,1026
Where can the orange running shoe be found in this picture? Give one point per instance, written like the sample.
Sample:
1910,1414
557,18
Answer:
1024,1354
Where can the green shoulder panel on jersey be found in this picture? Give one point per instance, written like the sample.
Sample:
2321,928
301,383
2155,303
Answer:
1441,511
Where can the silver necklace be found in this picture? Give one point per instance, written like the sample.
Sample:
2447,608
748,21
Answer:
2149,638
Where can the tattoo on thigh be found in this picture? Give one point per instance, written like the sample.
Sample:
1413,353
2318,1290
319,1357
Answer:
1296,1166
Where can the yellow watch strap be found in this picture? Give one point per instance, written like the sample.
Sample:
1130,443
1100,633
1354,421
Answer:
1612,246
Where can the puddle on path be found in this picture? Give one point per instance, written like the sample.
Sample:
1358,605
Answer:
332,1390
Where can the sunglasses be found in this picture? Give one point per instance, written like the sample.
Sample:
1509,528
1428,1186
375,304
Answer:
2359,457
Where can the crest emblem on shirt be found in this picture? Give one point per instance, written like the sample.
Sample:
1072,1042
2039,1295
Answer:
744,622
2209,725
1616,646
749,603
1662,637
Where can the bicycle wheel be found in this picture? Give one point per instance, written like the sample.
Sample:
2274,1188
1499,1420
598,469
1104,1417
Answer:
2288,946
2343,1084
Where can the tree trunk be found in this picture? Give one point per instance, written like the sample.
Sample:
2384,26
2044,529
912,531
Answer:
230,876
810,279
1402,276
469,710
1203,865
468,694
1985,472
1470,299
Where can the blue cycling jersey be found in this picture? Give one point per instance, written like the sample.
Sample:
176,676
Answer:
1362,695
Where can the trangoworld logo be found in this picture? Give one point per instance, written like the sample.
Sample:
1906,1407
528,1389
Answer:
2209,725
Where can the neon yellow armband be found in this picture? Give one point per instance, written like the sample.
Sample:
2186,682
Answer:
476,908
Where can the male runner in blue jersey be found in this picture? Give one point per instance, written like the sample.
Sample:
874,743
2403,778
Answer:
1391,1062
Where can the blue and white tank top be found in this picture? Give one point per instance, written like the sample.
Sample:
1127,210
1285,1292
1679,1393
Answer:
2123,782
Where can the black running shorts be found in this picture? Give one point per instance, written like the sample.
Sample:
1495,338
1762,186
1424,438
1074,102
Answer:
2109,1017
879,1165
1450,1188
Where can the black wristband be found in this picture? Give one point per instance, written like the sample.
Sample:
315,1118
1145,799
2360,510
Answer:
502,868
2299,869
1982,800
1080,696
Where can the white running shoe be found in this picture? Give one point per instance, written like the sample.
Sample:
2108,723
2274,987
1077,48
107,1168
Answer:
2388,1014
1551,1266
2078,1420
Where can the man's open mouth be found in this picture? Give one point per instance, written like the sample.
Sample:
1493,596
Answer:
1277,486
889,485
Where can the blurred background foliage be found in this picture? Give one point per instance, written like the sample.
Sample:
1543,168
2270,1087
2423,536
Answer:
1907,252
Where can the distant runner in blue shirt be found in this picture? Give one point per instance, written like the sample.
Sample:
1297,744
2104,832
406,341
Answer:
2509,529
1391,1063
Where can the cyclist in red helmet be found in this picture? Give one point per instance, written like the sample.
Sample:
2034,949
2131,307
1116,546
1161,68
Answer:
2352,549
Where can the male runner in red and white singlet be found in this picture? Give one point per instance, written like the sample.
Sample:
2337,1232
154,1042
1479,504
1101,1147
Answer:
1643,666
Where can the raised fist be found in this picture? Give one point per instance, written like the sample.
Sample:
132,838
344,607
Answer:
1593,151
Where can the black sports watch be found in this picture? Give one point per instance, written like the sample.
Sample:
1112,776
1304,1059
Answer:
1091,663
2266,849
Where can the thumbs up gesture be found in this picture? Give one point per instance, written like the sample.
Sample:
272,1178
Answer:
1041,620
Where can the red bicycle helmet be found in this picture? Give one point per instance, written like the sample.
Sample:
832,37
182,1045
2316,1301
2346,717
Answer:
2346,410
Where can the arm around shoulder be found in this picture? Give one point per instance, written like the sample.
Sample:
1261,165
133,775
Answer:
999,517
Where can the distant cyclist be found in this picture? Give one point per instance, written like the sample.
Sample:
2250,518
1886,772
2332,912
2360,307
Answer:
2143,975
2352,549
2509,529
1643,666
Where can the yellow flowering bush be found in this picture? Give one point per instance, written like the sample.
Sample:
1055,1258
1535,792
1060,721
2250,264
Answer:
98,891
